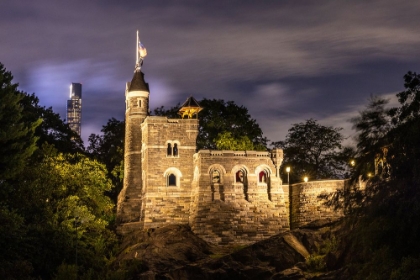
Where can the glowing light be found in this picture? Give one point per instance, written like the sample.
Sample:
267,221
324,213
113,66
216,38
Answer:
305,179
288,171
352,162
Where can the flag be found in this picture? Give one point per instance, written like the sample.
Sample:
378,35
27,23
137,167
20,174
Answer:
142,50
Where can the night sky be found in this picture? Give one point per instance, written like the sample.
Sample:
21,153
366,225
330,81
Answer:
286,61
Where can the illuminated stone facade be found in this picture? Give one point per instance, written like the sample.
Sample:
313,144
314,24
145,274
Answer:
227,197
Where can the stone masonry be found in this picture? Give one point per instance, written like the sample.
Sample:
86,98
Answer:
225,210
227,197
165,203
306,205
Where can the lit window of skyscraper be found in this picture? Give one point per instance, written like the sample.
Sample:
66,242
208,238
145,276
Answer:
74,108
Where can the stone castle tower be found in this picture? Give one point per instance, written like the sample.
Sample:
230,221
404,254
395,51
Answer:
136,110
158,153
225,196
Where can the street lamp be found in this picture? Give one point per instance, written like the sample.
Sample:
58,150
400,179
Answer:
288,171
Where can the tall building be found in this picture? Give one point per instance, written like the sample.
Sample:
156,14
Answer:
74,108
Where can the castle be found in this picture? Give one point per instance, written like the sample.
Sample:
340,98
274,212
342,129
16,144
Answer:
227,197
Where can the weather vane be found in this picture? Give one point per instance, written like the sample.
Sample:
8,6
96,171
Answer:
141,53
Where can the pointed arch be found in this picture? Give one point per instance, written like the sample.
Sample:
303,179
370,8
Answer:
216,170
240,177
217,173
263,173
240,173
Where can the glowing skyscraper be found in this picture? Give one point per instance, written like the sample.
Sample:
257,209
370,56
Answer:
74,108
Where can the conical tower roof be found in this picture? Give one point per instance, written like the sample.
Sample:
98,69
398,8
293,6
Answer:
138,83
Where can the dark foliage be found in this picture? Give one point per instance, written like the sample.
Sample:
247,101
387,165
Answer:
108,148
382,217
17,133
51,196
314,150
53,130
218,117
170,113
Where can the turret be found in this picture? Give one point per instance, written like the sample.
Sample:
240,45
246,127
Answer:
137,108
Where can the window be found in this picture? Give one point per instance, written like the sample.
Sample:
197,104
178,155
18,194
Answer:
175,150
262,177
263,173
171,180
172,149
172,176
239,177
215,177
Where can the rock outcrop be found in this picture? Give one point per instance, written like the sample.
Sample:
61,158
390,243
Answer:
174,252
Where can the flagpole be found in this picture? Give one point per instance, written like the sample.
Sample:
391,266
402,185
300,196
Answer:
137,48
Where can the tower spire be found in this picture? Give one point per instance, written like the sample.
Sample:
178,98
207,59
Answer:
141,53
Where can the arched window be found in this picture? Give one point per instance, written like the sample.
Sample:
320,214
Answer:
215,177
239,178
171,180
262,177
263,173
173,177
175,150
172,149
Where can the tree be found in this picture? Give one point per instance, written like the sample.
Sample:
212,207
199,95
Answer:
409,99
50,195
17,134
373,125
225,141
53,130
170,113
381,219
219,117
60,200
313,150
108,148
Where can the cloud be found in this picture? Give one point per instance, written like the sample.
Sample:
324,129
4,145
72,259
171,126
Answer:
285,61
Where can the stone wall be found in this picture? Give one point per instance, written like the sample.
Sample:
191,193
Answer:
227,197
130,197
165,204
306,206
225,211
